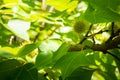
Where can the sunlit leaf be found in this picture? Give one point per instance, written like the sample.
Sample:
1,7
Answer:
109,74
52,74
62,5
102,11
19,27
10,1
10,50
81,74
62,50
49,45
106,66
29,2
6,54
72,5
24,21
71,61
117,53
43,59
27,49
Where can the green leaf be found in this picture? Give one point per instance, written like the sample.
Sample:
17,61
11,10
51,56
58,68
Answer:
57,4
7,1
6,54
109,73
49,45
106,66
81,74
88,42
8,69
41,77
73,36
19,28
27,73
52,74
117,53
29,2
62,5
102,11
4,34
9,65
71,61
62,50
43,59
2,58
27,49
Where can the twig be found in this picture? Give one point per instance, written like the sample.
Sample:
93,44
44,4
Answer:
56,27
36,37
86,34
92,35
112,32
44,6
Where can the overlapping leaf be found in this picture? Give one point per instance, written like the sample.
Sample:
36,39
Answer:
81,74
27,49
99,11
27,72
43,59
9,68
62,5
19,27
71,61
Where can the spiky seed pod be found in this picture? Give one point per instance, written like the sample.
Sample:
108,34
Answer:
80,27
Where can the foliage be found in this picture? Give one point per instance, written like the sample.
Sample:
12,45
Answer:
60,39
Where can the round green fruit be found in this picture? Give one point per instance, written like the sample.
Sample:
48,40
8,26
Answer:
80,27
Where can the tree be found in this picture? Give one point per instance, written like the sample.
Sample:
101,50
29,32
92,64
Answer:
59,39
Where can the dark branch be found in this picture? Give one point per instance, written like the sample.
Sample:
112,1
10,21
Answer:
92,35
112,32
99,47
86,34
111,43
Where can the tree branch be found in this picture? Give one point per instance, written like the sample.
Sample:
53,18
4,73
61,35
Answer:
99,47
86,34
